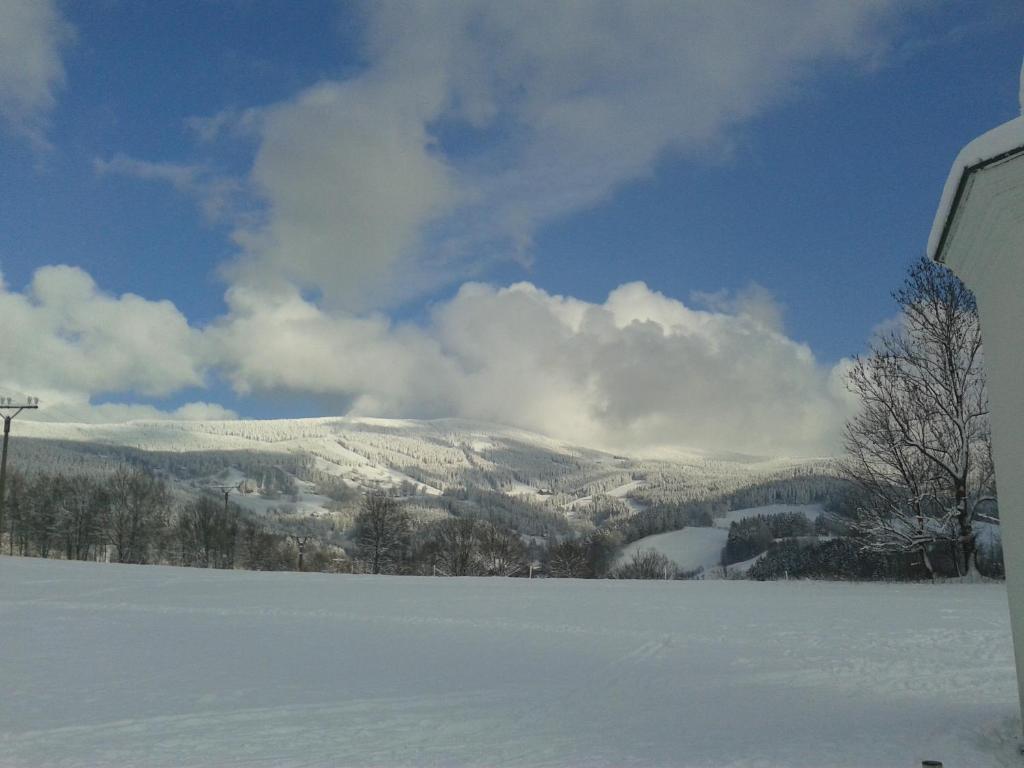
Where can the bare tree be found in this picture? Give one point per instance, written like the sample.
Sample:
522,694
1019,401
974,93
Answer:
138,509
45,509
80,523
261,550
918,447
18,513
568,560
455,544
382,533
208,533
502,552
647,564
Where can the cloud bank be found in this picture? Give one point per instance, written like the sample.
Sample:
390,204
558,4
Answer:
65,340
638,371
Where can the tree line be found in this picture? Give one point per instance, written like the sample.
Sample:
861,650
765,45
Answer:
131,516
753,535
387,542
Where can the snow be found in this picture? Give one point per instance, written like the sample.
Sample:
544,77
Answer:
690,548
522,489
431,456
744,565
695,547
620,492
107,665
988,536
310,504
624,490
811,511
1003,138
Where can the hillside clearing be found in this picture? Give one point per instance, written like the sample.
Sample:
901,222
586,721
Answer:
690,548
696,547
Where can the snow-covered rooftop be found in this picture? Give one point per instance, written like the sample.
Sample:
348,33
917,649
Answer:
1001,144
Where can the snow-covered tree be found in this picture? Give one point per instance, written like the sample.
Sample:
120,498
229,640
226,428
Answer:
382,531
208,533
502,552
138,509
647,564
80,525
568,560
454,547
918,449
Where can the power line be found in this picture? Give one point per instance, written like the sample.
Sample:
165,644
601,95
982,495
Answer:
226,490
6,405
55,412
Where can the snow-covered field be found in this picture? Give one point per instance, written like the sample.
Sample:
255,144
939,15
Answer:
689,548
155,666
695,547
810,511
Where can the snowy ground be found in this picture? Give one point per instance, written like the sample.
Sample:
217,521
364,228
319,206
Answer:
689,548
810,511
621,492
697,547
150,666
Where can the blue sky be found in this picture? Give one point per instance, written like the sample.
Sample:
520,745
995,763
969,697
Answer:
335,199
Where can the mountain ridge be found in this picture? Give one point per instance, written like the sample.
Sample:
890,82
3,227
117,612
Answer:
302,464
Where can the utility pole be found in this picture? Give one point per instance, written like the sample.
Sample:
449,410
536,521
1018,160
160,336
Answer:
7,405
300,541
226,490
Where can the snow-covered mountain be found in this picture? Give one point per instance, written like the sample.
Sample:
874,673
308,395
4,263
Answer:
312,460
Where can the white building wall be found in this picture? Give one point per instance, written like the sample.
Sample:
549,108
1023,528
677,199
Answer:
985,247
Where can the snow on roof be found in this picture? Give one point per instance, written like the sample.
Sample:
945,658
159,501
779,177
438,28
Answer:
1000,143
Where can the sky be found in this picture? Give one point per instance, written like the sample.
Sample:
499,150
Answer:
627,225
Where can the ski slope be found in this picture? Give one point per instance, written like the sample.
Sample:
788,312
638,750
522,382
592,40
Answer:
105,665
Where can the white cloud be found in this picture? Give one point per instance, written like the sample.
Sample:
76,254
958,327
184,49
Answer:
215,192
284,343
32,33
640,370
895,323
350,180
228,122
754,301
63,334
367,198
78,408
202,411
